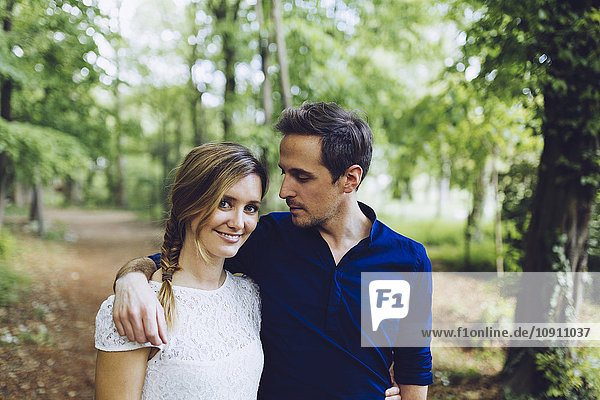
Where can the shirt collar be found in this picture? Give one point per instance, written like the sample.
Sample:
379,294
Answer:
370,213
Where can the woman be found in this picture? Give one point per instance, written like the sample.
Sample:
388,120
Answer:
214,350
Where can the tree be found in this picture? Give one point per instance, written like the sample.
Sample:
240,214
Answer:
38,155
226,15
282,54
194,51
7,72
264,41
47,79
549,51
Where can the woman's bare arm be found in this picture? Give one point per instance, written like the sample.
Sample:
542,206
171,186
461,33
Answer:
120,374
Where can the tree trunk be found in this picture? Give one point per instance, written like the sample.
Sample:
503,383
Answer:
6,89
229,95
497,214
5,99
7,83
5,161
266,89
37,209
4,166
473,231
194,117
556,240
71,191
226,20
264,37
562,205
286,93
121,191
164,160
19,193
178,141
195,94
120,157
444,185
197,116
561,209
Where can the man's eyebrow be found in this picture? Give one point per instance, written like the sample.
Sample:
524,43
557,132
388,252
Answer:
297,171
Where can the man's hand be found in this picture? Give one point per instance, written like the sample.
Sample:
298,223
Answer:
393,393
137,312
406,392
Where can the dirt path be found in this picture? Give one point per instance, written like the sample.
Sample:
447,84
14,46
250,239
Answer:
54,323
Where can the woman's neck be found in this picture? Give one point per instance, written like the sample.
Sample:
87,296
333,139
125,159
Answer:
195,272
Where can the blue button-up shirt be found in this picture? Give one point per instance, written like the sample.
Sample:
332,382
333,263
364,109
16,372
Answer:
311,331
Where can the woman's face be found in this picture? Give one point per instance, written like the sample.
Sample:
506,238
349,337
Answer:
234,220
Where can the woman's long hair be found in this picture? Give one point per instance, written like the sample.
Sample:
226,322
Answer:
206,173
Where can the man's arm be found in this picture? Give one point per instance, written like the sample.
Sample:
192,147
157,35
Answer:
137,312
413,392
406,392
414,364
145,265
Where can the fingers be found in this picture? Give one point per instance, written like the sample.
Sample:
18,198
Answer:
118,324
137,323
137,312
150,329
129,332
393,393
121,319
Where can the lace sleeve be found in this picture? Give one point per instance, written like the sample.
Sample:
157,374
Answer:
106,337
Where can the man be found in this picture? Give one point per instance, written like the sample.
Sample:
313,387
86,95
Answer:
308,264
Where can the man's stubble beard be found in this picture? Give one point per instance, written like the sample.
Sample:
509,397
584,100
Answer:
309,222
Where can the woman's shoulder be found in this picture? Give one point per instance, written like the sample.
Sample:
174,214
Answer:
106,336
247,294
106,307
244,283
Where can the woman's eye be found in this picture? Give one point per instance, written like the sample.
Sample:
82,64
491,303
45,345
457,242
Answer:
224,204
251,209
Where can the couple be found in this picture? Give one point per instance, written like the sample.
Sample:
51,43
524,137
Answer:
307,264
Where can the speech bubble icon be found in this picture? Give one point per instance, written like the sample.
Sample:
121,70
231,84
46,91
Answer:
389,299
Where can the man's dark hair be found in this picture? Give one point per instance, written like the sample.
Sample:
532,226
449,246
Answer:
346,138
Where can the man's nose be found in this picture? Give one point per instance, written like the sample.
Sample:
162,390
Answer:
286,188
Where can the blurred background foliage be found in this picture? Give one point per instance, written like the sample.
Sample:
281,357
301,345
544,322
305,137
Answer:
486,115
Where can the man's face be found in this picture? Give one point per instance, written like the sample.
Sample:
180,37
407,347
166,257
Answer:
307,187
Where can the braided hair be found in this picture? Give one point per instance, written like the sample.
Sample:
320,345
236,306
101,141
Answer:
206,173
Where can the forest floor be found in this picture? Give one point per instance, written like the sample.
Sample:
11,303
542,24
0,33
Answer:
51,327
55,357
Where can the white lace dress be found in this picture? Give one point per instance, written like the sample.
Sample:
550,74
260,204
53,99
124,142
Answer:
213,351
